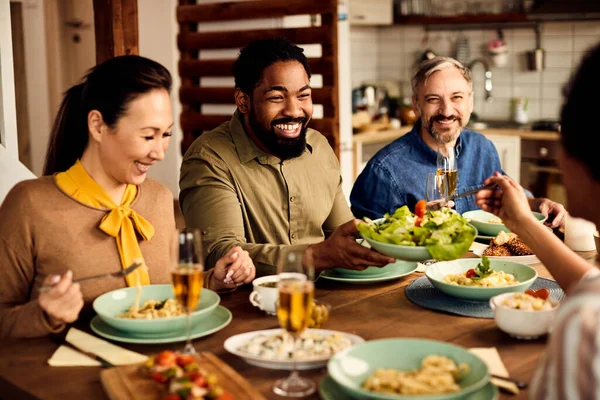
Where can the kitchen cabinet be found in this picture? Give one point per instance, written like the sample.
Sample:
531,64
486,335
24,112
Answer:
372,12
509,151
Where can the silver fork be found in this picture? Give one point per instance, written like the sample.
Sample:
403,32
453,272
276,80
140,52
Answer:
135,265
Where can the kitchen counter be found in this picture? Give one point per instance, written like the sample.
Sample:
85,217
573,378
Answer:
393,134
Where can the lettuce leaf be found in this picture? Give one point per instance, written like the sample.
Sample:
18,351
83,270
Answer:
444,232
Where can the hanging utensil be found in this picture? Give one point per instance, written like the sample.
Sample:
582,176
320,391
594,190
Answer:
536,58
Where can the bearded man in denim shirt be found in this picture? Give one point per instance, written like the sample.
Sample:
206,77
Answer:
396,175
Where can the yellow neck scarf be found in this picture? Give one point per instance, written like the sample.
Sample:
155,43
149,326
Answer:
121,222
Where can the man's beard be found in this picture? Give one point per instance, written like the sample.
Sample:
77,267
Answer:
437,135
284,148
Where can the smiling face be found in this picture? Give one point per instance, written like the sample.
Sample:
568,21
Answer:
138,140
279,110
444,103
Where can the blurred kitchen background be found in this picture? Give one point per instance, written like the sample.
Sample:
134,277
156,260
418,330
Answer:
521,54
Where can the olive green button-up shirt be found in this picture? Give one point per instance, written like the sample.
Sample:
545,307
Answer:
239,195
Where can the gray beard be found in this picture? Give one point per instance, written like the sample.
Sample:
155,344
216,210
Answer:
443,140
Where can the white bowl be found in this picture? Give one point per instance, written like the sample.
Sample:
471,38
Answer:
523,324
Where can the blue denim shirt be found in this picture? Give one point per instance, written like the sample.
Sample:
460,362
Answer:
397,174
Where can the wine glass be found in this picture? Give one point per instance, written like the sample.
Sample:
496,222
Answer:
436,191
186,274
446,165
296,292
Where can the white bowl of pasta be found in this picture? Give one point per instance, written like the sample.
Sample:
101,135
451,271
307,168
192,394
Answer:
524,315
158,311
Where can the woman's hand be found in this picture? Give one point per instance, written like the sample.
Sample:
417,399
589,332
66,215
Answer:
509,202
64,301
233,270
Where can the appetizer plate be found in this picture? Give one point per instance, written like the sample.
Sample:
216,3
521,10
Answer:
436,273
330,390
528,260
218,319
111,304
480,218
350,368
387,273
235,342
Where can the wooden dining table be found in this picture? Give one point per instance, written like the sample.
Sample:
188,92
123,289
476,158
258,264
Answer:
373,311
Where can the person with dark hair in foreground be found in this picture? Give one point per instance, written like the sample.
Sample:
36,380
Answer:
95,212
264,180
568,370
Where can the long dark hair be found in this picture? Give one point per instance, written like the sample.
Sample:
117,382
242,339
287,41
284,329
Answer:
579,132
109,88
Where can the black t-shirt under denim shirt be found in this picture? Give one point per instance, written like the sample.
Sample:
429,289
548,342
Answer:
397,174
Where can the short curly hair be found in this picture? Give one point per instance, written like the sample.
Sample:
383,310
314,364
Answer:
261,54
579,131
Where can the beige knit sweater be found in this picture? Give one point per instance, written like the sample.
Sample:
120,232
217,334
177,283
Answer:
43,232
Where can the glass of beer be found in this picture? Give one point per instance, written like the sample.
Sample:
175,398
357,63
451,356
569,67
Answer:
186,275
446,165
296,292
436,191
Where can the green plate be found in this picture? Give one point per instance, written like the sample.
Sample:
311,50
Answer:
110,304
351,367
390,272
436,273
480,218
218,319
329,390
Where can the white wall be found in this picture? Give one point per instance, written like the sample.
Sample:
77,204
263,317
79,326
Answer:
40,118
158,40
11,170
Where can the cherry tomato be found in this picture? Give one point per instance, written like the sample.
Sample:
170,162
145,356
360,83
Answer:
184,359
165,358
420,208
471,273
158,377
226,396
172,396
201,381
543,293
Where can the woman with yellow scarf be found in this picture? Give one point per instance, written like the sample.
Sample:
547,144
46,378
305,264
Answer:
94,211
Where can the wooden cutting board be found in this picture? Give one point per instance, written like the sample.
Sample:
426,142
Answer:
127,382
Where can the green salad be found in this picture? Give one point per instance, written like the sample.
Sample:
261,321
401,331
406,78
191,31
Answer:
444,232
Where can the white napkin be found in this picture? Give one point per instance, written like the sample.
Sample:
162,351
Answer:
116,355
495,365
67,357
478,246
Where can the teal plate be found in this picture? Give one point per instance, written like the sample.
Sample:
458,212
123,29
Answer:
217,320
330,390
392,271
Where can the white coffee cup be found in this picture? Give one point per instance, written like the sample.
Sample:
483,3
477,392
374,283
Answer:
264,297
579,234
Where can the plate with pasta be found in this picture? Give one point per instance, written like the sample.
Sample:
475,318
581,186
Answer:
480,279
152,309
408,369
